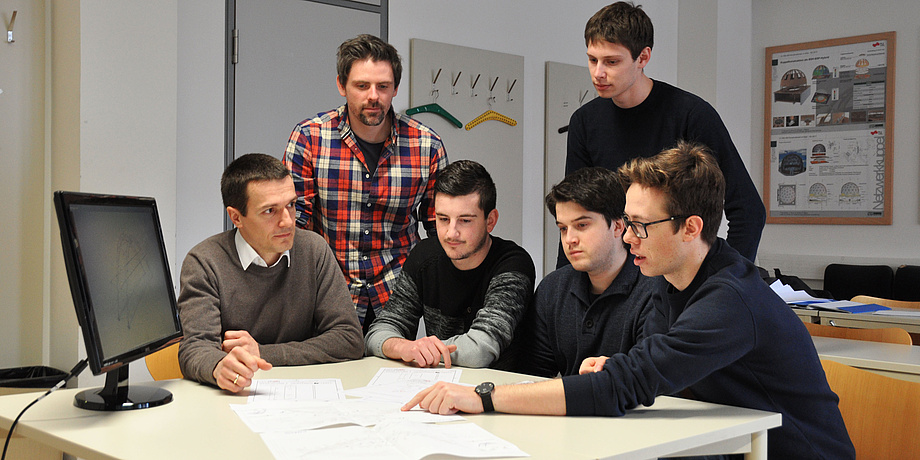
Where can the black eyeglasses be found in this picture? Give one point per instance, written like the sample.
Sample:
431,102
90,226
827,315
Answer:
640,229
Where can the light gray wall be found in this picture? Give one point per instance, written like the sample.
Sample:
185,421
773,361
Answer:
545,30
21,181
805,250
200,124
128,106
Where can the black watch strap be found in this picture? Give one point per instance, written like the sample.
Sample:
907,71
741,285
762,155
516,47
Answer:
484,390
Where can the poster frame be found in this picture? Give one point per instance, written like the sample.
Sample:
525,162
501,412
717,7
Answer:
883,217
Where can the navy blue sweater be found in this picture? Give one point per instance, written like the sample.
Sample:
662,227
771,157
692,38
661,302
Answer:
728,339
567,324
602,134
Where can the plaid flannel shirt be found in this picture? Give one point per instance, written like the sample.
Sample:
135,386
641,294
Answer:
369,220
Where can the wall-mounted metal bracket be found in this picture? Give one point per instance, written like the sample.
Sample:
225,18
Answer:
9,29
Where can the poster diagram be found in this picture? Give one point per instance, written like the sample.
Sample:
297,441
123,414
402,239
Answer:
829,113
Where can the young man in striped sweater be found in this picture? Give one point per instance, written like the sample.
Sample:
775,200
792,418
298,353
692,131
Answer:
472,288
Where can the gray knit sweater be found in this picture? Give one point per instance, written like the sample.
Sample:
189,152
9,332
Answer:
302,314
478,310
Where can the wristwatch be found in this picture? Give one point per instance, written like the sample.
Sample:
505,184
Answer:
484,390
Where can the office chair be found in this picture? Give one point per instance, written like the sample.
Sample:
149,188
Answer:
843,281
164,364
881,413
887,334
906,283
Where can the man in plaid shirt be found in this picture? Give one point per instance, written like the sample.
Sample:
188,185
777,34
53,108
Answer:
365,175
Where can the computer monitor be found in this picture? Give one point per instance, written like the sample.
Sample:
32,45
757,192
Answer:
122,291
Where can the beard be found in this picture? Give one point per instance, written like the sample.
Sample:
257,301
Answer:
374,120
475,249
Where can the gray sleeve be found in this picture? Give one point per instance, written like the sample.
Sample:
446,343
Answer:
399,317
493,327
199,313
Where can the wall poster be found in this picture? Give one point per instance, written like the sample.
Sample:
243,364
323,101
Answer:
828,118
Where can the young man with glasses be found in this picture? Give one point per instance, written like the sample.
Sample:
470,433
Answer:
597,304
719,333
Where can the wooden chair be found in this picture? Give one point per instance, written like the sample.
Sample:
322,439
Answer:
881,413
887,302
164,364
887,335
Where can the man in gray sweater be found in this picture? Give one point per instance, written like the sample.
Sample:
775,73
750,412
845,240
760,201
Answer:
264,293
472,288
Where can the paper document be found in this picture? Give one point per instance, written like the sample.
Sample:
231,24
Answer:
387,375
295,390
901,313
277,416
790,295
847,306
399,384
396,440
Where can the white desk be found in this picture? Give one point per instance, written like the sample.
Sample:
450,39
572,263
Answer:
870,321
892,360
200,424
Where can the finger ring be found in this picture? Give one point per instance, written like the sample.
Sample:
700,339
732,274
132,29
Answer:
237,378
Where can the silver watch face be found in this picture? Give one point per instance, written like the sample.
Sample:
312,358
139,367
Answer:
485,388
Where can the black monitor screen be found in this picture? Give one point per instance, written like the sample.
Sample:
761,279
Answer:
119,276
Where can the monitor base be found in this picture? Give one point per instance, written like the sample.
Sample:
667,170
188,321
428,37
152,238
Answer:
118,396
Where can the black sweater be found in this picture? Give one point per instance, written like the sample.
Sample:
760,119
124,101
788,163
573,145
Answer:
602,134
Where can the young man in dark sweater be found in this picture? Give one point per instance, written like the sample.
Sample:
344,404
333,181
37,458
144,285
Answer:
719,334
472,288
264,293
597,304
635,116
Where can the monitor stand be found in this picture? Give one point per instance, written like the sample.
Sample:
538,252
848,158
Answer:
117,395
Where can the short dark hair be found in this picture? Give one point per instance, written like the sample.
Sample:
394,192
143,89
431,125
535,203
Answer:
594,188
690,178
621,23
366,46
252,167
464,177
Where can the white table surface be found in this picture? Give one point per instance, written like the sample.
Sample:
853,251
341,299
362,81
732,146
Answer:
200,424
894,360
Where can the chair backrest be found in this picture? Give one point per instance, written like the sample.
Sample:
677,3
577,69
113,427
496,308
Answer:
164,364
881,413
844,281
906,283
886,302
887,335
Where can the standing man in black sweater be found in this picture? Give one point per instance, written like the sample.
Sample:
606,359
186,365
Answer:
635,116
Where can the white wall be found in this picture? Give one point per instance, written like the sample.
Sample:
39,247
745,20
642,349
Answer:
200,129
21,186
805,250
544,30
128,105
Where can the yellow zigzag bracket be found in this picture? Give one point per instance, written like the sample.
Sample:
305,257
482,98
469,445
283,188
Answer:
490,115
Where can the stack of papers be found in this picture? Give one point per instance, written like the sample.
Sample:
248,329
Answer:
310,418
804,300
900,313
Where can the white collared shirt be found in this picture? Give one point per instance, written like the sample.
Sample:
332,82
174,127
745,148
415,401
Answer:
248,255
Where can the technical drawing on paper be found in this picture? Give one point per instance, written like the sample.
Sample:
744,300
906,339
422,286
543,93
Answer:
785,195
133,261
